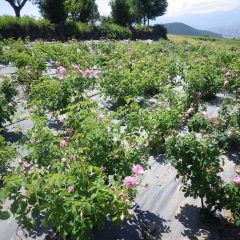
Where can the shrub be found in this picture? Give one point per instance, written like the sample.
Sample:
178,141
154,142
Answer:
114,31
75,193
159,31
141,32
144,32
30,28
69,30
203,80
7,105
7,153
200,123
25,27
196,159
228,128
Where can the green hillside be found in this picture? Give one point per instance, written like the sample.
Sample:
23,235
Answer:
183,29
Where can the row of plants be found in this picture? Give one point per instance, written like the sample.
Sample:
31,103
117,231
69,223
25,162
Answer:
90,167
30,28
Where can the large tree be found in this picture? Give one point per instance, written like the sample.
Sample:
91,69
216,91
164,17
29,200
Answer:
122,12
54,10
150,9
82,10
17,5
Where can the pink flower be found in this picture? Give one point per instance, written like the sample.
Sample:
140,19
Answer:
100,117
236,181
186,116
63,143
76,67
130,182
190,110
88,72
80,72
70,189
96,73
62,70
137,170
129,49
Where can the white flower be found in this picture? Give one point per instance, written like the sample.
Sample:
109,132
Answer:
123,129
198,136
138,99
62,117
153,101
115,139
125,144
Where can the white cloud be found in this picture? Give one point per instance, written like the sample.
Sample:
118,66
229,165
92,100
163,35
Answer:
175,8
180,7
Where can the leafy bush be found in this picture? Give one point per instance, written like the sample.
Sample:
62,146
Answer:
74,192
30,28
7,153
200,123
228,128
145,32
7,105
78,30
114,31
196,159
159,31
66,177
204,80
25,27
141,32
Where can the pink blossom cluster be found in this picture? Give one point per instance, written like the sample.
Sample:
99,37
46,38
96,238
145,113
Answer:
100,117
137,170
70,189
62,71
87,72
78,70
63,143
188,113
236,181
132,181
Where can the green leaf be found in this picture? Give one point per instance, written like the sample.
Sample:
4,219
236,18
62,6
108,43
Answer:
4,215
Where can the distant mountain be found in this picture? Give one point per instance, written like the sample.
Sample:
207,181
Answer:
183,29
227,23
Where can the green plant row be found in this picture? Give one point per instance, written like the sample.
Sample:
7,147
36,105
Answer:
26,27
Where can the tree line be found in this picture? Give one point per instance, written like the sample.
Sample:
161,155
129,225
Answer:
123,12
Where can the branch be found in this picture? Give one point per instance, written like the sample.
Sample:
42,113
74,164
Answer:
11,2
22,4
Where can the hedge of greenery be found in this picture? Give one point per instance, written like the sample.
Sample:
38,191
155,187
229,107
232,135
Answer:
26,27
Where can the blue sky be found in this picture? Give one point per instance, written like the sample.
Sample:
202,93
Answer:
176,7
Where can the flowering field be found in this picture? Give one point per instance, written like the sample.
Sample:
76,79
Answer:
114,106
